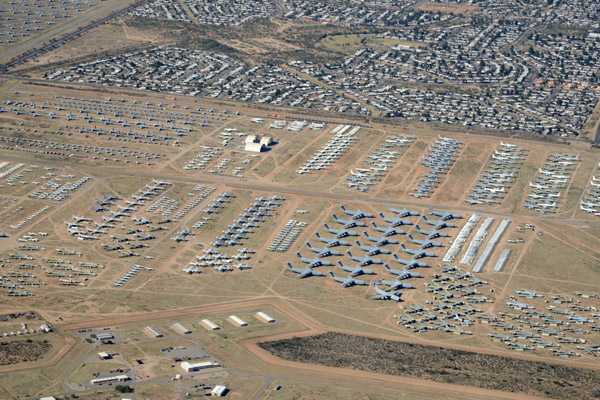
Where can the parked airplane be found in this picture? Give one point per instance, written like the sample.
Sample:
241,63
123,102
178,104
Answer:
363,261
412,263
396,284
312,262
372,250
346,282
324,252
80,219
387,231
303,273
354,271
444,215
379,240
402,274
383,295
99,209
438,224
419,253
358,214
395,221
347,223
331,242
424,244
340,233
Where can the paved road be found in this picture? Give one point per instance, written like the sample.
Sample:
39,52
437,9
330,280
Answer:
274,187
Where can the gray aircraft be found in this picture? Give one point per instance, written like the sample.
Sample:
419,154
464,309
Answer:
432,233
438,224
372,250
324,252
348,223
312,262
402,274
303,273
340,233
387,231
412,263
383,295
379,240
398,221
424,244
363,261
346,282
396,284
444,215
358,214
419,253
331,242
354,271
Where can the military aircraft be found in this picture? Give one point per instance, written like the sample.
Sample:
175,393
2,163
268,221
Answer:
73,224
303,273
312,262
125,209
396,284
101,225
111,219
444,215
340,233
118,214
99,209
104,202
438,224
358,214
424,244
387,231
324,252
110,197
363,261
331,242
80,219
412,263
160,183
348,223
398,221
346,282
402,274
419,253
383,295
358,270
372,250
379,240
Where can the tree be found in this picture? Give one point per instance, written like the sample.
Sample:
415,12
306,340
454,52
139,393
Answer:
123,389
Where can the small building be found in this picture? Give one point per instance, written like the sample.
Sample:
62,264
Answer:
182,328
210,325
191,367
237,320
48,398
104,356
116,378
266,140
153,332
105,336
252,139
254,147
265,317
219,390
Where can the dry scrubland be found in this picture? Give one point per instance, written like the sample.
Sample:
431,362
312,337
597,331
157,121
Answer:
440,365
16,351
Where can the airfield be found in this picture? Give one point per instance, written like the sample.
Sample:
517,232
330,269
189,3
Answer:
124,211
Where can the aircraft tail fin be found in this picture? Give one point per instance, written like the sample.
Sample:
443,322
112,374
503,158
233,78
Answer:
317,234
288,265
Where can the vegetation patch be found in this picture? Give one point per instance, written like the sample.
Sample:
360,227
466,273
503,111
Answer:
439,364
17,351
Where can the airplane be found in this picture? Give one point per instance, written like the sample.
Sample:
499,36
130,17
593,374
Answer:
95,231
379,240
111,219
402,274
104,202
101,225
363,261
340,233
324,252
387,231
372,250
348,223
75,231
416,253
383,295
99,209
312,262
395,221
125,209
346,282
528,294
73,224
160,183
149,187
444,215
358,270
118,214
331,242
358,214
438,224
110,197
179,238
140,197
412,263
303,273
133,203
83,236
185,233
396,284
80,219
424,244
